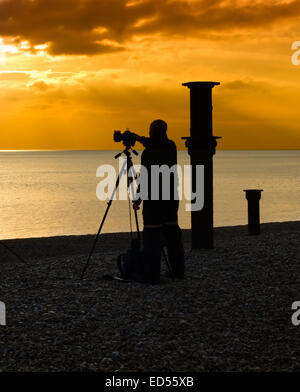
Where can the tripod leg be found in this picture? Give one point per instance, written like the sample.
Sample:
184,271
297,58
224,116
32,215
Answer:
167,262
130,180
96,240
12,252
137,227
173,236
103,220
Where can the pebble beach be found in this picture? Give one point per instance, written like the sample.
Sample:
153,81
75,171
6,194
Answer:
232,312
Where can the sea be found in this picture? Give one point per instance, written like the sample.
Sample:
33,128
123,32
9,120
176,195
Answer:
53,193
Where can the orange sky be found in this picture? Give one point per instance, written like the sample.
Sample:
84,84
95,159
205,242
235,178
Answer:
72,71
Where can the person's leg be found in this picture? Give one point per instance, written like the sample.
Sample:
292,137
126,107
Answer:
151,253
173,236
151,240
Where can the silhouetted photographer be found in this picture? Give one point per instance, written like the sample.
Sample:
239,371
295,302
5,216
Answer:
160,217
160,208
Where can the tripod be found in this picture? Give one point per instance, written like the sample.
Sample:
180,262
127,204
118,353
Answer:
11,251
127,165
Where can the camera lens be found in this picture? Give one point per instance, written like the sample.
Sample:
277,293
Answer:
117,136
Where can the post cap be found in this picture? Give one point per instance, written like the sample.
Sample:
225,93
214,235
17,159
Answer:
201,84
253,190
253,194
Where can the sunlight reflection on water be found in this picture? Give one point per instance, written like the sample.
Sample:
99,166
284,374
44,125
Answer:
47,193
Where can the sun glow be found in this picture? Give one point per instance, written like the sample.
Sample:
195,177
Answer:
4,48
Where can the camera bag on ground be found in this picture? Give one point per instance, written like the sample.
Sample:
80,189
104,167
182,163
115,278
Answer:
130,264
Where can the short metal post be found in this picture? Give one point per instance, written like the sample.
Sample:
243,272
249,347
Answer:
253,196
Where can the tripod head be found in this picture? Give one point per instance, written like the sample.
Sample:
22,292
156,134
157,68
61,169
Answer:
127,152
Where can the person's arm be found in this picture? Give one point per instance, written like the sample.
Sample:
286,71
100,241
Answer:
142,139
136,204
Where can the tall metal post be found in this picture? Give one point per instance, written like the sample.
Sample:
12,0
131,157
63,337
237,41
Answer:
201,146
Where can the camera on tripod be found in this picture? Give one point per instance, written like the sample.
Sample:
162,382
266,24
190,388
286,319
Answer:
128,138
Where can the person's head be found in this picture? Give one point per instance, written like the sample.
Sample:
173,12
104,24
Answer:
158,129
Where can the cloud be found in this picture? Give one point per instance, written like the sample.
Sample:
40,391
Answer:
14,75
92,112
90,27
39,85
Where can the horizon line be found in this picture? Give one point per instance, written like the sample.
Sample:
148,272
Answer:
137,149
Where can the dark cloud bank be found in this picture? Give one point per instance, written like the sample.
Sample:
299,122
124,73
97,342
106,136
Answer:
104,26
